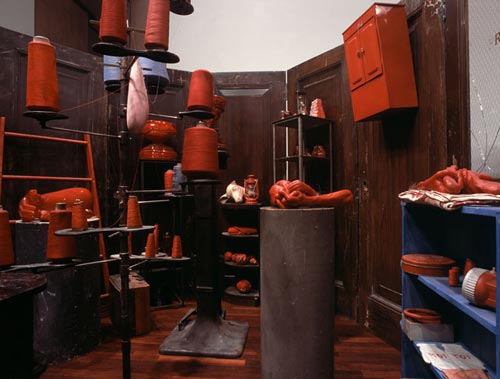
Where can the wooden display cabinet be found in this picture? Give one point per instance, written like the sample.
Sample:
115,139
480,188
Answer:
379,62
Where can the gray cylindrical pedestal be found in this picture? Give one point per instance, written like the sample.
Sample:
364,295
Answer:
297,293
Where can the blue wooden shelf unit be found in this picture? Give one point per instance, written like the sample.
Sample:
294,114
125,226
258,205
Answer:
471,232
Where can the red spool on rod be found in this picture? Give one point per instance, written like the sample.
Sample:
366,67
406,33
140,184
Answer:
200,158
200,91
157,25
113,22
42,89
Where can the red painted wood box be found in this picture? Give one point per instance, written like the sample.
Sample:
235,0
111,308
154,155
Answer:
379,63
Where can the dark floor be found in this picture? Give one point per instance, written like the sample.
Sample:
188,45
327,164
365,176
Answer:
358,354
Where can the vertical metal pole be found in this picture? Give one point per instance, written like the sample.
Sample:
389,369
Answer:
121,195
330,135
274,153
300,139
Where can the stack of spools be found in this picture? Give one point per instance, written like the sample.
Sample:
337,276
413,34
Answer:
161,133
199,157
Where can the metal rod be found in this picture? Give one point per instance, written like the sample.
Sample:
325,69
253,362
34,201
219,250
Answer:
137,264
166,116
44,126
96,262
124,256
34,177
129,28
153,201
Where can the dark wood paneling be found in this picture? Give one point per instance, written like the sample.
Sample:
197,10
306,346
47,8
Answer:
82,100
63,22
253,102
393,154
380,159
457,83
325,77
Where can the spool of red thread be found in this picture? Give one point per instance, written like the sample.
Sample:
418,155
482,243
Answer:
156,234
6,248
42,89
134,219
168,179
113,22
199,158
157,25
200,91
177,247
150,251
79,216
59,247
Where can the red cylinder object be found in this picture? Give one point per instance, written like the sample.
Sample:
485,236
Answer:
134,219
42,89
157,25
200,159
177,247
168,179
59,247
6,248
113,22
200,91
150,246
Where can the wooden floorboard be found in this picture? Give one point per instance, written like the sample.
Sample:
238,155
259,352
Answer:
358,354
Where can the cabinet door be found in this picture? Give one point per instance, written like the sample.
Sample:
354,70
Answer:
370,50
354,61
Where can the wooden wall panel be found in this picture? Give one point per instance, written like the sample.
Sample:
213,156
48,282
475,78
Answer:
380,159
253,102
82,100
63,22
325,77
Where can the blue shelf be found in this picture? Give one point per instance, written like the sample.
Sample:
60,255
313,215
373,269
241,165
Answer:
453,295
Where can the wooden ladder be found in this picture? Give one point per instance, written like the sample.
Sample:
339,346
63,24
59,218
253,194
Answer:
90,179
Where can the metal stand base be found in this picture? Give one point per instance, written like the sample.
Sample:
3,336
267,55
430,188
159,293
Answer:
209,335
205,337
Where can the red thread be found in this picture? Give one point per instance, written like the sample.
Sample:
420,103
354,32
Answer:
169,179
42,90
150,250
156,233
199,158
6,247
157,25
200,91
177,247
134,219
58,247
79,216
113,23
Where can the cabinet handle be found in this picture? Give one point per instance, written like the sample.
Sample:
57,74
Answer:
373,71
361,52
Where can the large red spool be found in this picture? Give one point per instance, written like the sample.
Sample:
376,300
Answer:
199,157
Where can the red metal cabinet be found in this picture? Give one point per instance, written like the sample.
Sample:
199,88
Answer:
379,62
